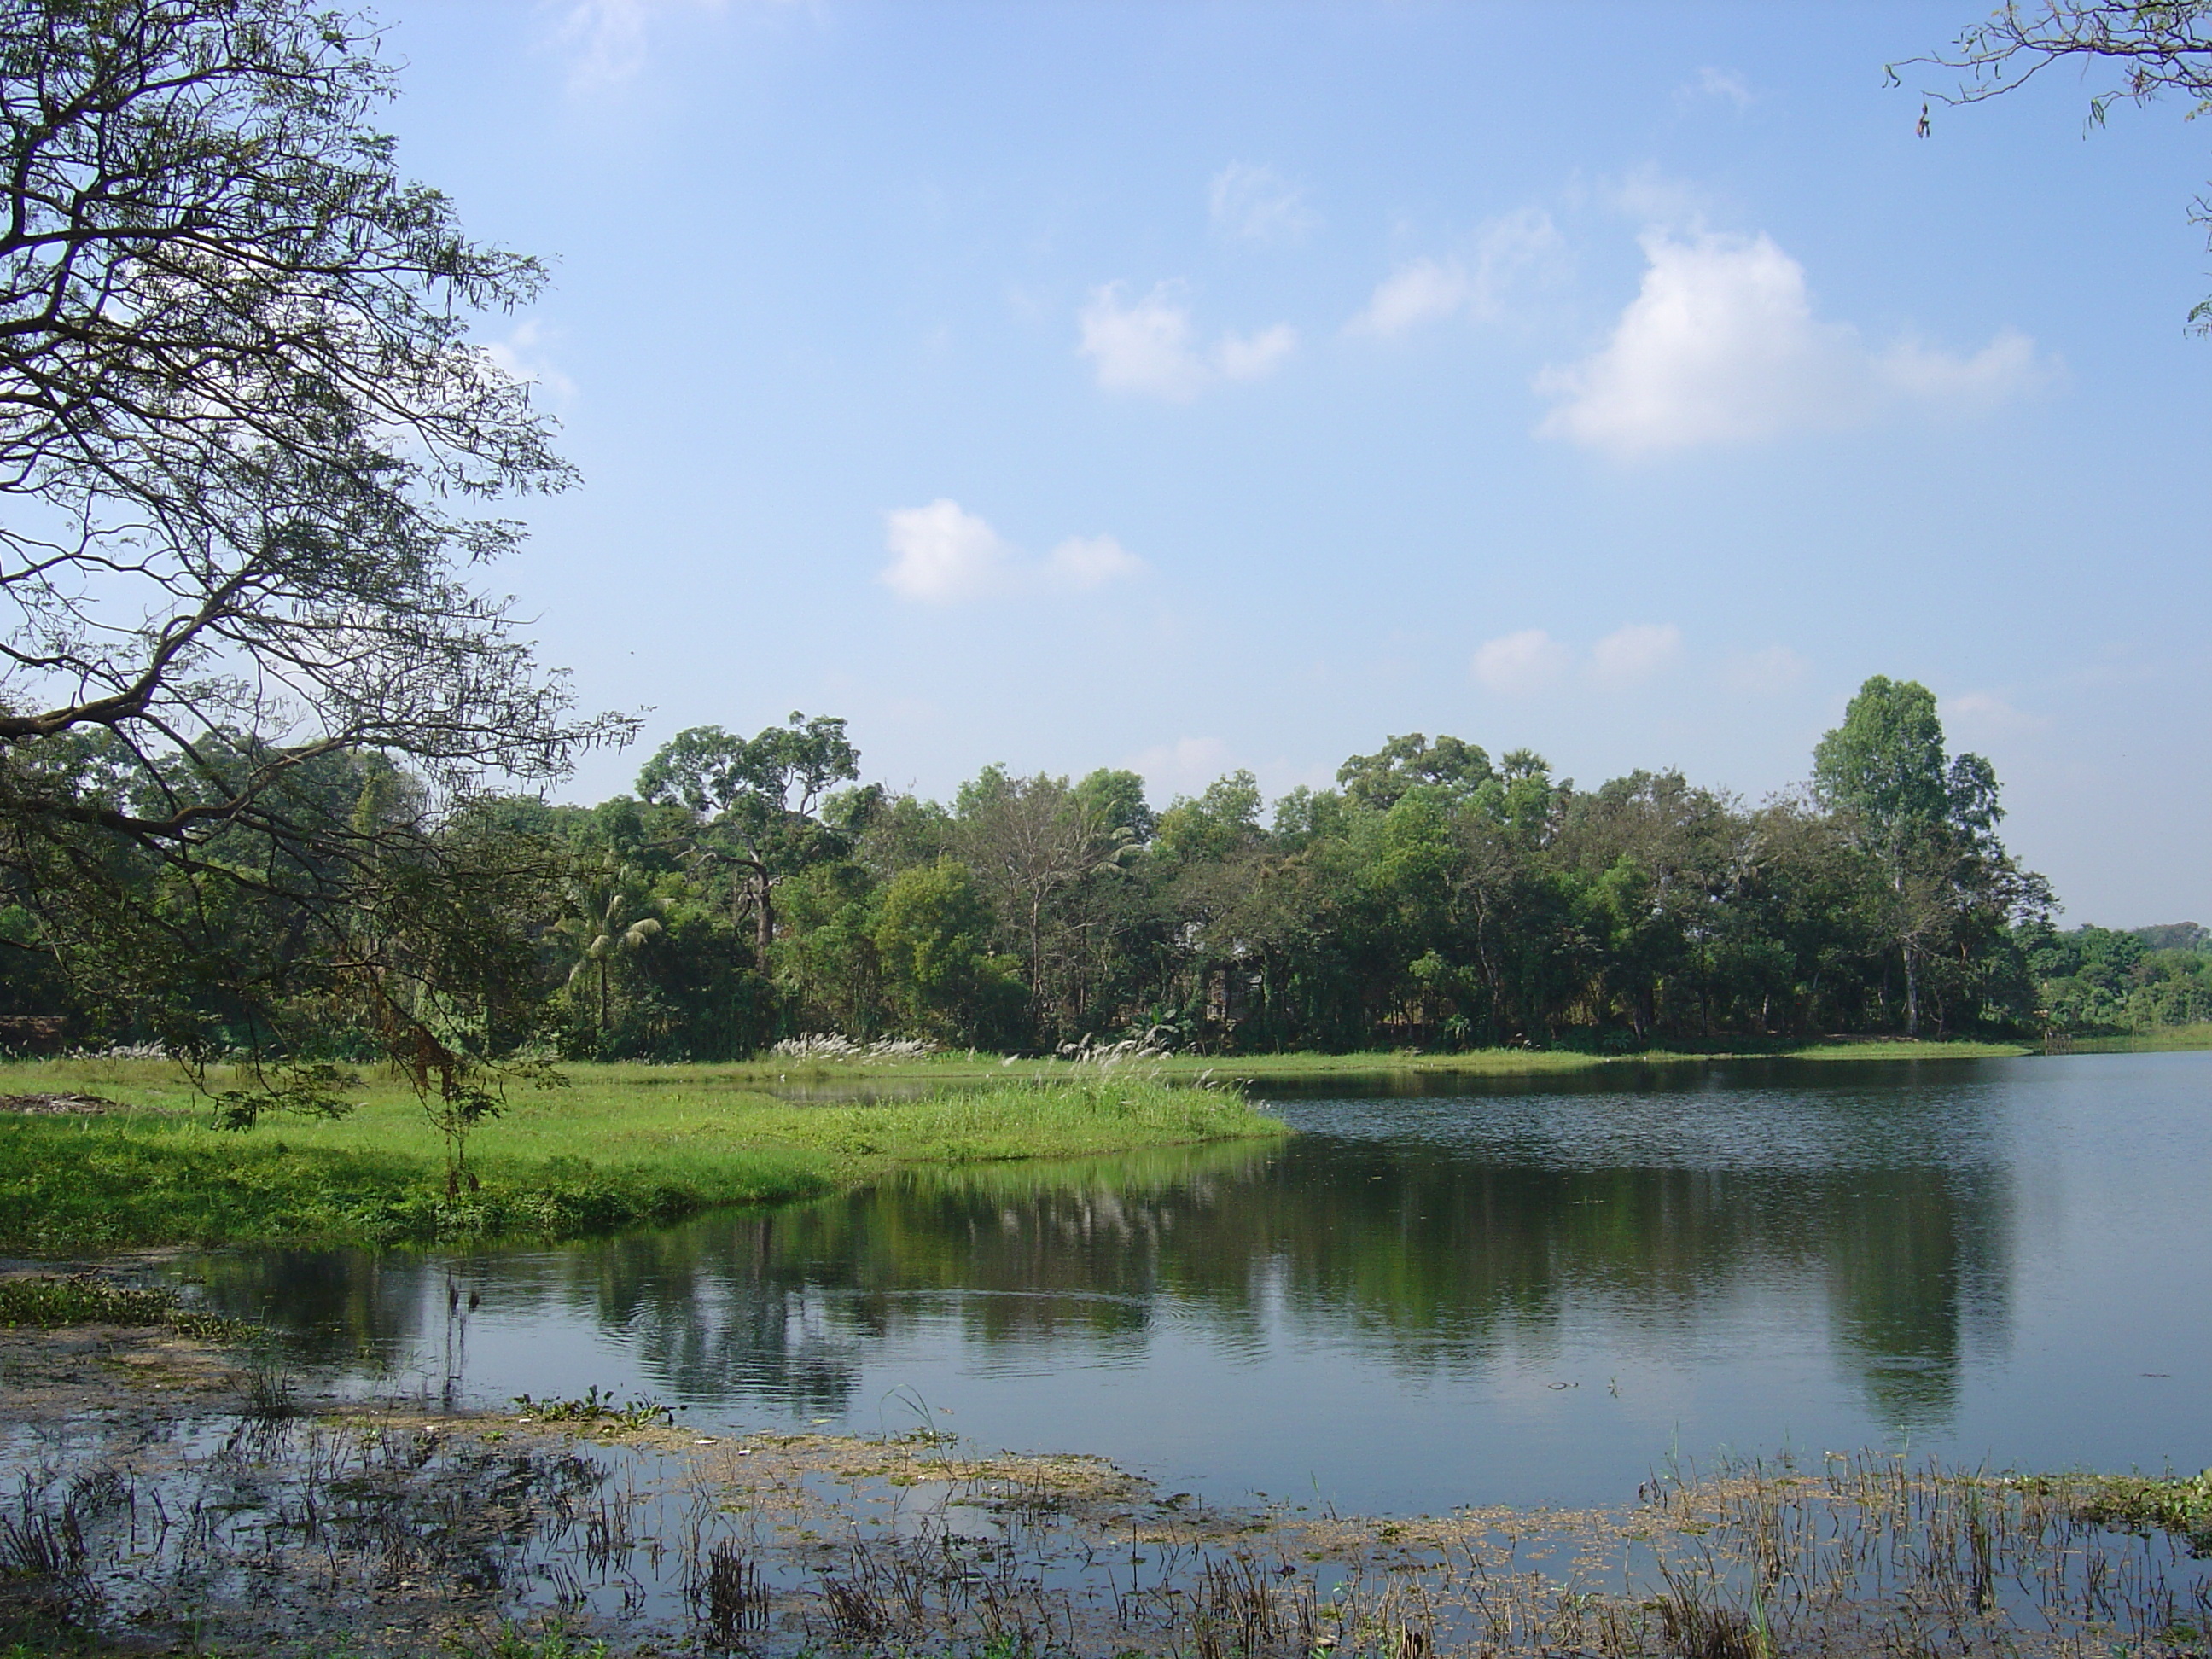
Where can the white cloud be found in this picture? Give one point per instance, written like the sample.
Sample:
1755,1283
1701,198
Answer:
608,39
941,553
1991,714
1426,290
1519,663
1249,356
2001,369
1718,86
1636,652
523,354
1763,672
1255,204
1422,291
1152,346
1092,562
1721,346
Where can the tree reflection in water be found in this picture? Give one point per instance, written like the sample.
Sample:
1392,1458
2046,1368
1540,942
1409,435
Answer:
1437,1235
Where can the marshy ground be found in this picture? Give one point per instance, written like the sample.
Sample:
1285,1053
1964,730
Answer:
171,1485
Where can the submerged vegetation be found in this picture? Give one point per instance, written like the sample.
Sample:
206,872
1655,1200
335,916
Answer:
184,1512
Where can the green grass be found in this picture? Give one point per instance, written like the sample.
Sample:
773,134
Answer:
46,1302
1921,1048
622,1146
2165,1040
1262,1068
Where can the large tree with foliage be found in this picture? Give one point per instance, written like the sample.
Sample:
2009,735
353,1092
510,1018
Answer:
1926,820
759,802
245,445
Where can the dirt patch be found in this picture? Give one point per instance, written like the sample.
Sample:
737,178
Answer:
62,1105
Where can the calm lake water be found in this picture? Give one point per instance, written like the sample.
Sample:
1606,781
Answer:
1456,1290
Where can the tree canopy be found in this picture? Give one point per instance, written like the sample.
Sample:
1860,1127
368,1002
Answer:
246,452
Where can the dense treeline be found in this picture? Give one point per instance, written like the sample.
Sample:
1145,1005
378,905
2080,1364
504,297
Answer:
754,889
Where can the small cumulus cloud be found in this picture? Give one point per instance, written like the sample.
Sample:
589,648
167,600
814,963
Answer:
1255,204
1721,346
1150,345
1636,652
1518,664
1472,284
941,553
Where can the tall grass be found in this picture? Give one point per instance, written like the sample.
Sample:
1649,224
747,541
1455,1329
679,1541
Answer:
601,1154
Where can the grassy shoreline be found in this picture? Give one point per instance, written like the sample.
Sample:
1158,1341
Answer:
771,1072
599,1155
639,1144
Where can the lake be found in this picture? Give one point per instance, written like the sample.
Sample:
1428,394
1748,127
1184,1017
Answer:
1443,1291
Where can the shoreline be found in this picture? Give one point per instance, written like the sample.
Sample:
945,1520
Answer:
100,1155
411,1528
148,1170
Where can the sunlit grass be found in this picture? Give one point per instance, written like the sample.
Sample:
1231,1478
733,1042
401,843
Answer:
611,1150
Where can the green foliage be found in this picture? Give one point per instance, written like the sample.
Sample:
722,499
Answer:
1438,899
2179,1505
932,937
2098,981
46,1302
639,1412
1928,825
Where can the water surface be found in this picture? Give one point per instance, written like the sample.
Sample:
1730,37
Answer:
1449,1290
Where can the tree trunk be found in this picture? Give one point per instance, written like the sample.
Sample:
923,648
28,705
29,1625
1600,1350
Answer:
1911,995
763,915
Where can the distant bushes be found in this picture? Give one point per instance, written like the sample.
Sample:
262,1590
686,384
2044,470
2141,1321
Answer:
2101,981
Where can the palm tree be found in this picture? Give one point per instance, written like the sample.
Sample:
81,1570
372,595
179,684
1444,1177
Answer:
609,924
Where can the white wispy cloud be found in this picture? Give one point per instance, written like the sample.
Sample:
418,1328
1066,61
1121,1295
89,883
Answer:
526,353
1636,652
1721,346
1524,663
1520,664
941,553
1472,284
608,42
1712,84
1181,768
1256,204
1763,672
1987,713
1088,561
1151,344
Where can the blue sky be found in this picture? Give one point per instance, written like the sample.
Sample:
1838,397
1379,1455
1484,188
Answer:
1199,386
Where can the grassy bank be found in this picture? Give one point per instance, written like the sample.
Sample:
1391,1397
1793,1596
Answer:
774,1073
605,1152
